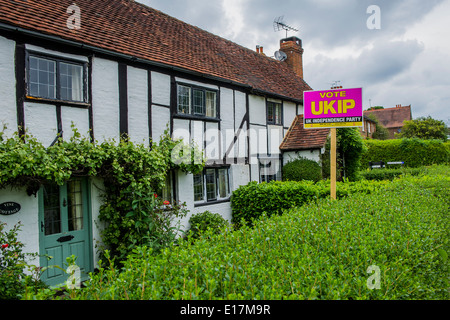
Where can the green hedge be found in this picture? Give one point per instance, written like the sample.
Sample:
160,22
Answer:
302,169
321,251
390,174
414,152
251,201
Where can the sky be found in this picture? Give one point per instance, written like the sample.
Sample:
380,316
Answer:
398,55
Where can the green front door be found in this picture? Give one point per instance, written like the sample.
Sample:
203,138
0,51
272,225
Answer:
64,229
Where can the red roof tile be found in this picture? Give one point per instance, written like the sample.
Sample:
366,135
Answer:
133,29
392,117
299,138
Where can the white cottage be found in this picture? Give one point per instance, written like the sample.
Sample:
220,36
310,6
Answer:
118,67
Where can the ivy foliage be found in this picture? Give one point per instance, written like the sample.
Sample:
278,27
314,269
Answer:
132,174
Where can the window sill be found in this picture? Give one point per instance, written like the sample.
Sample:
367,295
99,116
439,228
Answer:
204,204
60,102
192,117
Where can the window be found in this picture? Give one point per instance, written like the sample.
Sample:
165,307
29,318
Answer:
269,170
274,113
198,187
51,78
212,185
196,101
166,193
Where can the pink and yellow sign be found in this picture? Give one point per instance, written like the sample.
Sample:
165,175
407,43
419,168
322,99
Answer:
340,108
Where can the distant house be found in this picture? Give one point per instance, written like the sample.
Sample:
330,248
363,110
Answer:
368,128
392,118
301,142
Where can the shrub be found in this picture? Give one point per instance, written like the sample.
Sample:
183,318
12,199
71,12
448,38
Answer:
413,152
302,169
251,201
321,251
390,174
13,279
203,221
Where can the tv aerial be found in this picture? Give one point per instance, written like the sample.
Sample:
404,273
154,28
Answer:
279,25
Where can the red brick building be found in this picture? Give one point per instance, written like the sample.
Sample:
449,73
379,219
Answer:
392,118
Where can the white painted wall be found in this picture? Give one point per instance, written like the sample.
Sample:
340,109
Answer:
105,99
289,113
80,119
160,120
8,109
227,120
96,191
181,130
197,131
28,215
239,176
257,108
160,88
41,122
138,105
275,137
313,154
212,137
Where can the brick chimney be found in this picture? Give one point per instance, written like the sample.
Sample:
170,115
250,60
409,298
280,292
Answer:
292,46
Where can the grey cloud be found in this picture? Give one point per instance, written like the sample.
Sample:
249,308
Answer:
382,63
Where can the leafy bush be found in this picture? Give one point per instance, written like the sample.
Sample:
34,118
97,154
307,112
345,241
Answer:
302,169
390,174
414,152
251,201
13,279
321,251
350,149
351,146
203,221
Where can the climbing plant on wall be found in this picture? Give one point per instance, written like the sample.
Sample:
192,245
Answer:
132,174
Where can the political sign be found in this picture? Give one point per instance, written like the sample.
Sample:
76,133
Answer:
341,108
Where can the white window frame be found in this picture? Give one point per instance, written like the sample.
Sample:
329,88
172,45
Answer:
218,190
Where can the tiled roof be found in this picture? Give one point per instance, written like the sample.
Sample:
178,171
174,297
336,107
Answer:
299,138
133,29
392,117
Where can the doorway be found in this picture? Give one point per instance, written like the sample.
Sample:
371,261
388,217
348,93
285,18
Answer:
64,229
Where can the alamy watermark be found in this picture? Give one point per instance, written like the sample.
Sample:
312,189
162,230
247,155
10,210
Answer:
374,21
374,281
74,20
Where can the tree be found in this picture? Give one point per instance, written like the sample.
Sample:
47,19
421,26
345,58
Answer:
381,133
424,128
375,108
350,149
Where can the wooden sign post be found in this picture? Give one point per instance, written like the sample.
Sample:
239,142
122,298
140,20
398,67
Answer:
333,163
341,108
